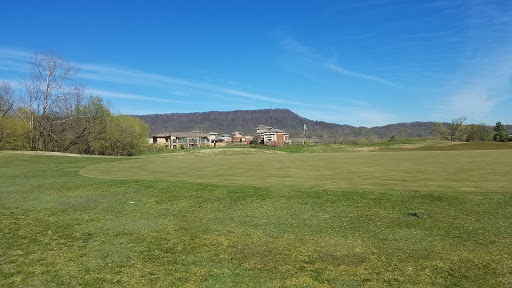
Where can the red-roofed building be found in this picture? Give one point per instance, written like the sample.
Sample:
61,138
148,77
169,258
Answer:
271,136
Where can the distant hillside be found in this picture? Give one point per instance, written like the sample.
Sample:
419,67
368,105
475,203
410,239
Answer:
246,120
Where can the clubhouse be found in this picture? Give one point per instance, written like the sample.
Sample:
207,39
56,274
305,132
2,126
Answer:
197,139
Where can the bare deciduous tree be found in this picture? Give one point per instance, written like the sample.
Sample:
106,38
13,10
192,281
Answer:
54,115
6,98
51,97
456,131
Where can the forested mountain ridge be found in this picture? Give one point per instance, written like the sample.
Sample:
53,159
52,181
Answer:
246,121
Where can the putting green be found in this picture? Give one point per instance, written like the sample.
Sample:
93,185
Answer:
461,171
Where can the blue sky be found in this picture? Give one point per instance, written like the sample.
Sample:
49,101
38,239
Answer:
363,63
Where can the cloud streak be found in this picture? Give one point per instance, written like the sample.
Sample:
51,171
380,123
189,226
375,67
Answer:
118,75
16,54
476,93
311,55
15,60
114,94
255,96
484,79
344,71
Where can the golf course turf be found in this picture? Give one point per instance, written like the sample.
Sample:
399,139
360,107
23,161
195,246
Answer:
250,218
390,171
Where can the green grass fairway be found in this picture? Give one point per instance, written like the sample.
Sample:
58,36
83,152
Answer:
257,218
464,171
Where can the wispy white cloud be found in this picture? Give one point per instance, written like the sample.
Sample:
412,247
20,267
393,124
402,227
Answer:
359,75
9,65
477,92
13,83
14,53
16,60
129,76
484,78
475,103
108,73
115,94
254,96
312,56
295,46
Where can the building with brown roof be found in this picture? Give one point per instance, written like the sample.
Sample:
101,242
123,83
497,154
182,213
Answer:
238,138
272,137
192,139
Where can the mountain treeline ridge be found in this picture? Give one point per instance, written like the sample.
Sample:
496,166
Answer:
246,121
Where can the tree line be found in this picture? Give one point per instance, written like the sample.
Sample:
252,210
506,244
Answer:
50,112
458,131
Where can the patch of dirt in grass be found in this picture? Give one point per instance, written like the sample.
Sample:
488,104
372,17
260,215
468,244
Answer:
438,146
408,146
421,145
222,152
461,146
363,149
49,153
451,143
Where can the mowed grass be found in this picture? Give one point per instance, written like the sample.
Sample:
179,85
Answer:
464,171
230,221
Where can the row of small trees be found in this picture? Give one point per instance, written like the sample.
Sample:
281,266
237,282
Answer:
458,131
51,113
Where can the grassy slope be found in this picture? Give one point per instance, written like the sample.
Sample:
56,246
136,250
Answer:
61,229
